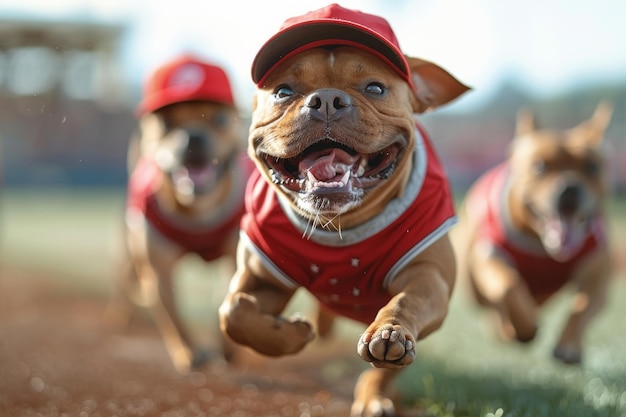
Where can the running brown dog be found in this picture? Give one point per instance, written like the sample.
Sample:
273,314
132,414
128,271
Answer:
536,223
349,200
188,169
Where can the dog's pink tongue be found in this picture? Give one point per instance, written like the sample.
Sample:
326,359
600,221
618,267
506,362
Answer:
327,165
563,237
202,175
188,180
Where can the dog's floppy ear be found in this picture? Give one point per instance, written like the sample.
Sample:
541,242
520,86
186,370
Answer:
525,122
434,85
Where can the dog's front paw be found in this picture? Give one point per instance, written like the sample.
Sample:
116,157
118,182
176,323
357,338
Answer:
267,334
292,333
387,346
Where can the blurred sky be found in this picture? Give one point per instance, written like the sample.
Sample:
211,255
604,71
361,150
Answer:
546,45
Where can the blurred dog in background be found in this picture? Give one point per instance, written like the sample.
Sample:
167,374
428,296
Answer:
535,223
187,173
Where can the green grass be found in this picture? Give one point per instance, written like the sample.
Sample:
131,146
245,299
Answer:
72,237
466,371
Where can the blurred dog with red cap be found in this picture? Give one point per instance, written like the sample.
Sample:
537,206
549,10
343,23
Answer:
187,173
349,200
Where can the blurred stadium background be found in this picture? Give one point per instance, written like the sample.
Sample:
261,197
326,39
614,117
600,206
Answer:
70,77
69,82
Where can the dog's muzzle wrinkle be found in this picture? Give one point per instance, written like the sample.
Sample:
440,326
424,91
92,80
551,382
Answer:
327,104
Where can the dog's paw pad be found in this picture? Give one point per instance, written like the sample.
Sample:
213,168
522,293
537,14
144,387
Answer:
391,346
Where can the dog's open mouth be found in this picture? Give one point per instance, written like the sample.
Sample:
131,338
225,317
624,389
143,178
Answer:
195,179
562,236
329,166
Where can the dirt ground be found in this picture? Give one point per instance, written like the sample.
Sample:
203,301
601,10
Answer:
57,360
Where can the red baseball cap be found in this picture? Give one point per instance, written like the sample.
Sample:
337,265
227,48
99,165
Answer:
331,25
185,78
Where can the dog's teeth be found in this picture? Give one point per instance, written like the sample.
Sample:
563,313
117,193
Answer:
331,184
361,168
345,178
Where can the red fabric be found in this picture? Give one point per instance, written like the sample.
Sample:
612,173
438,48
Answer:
208,242
349,280
543,275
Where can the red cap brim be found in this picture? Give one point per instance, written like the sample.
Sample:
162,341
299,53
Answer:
322,32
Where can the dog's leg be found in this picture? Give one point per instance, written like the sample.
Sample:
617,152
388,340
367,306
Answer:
421,294
371,394
500,288
324,322
164,310
234,353
244,319
518,313
250,313
119,309
144,285
154,259
592,281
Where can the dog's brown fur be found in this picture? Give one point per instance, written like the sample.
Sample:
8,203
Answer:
557,187
166,138
420,293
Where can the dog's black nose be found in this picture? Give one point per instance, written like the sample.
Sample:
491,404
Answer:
197,140
327,103
569,199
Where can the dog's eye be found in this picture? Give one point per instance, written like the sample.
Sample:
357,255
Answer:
375,88
283,92
539,167
220,119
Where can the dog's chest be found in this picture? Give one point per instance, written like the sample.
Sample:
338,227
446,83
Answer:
349,277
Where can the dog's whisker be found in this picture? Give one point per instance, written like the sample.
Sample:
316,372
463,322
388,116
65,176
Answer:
309,225
316,221
335,225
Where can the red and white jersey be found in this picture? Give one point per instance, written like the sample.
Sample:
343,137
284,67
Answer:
350,272
486,204
207,239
